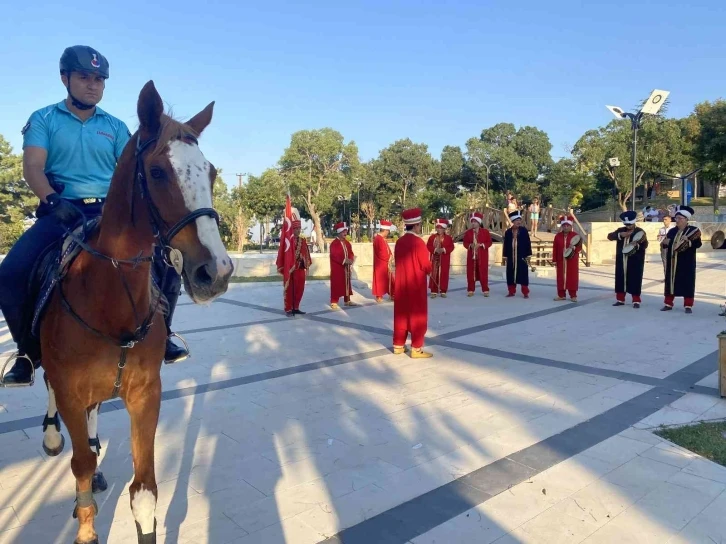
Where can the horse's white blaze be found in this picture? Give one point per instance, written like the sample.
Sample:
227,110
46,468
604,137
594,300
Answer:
93,424
143,506
51,437
192,171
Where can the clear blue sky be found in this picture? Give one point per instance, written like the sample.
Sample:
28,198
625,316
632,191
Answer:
437,72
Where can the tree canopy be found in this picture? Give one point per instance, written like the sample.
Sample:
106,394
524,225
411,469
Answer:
323,173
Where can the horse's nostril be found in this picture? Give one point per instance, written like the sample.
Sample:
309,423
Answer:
202,276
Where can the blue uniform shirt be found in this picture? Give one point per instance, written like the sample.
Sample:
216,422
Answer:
81,155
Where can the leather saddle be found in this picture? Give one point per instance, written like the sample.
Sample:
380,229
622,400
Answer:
52,266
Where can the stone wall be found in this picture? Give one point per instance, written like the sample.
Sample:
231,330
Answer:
263,265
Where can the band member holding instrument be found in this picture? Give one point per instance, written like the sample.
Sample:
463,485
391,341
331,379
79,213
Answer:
383,267
629,259
682,243
517,251
341,261
294,291
662,235
440,246
410,307
477,242
566,255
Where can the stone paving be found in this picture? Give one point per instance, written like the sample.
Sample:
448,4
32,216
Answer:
532,423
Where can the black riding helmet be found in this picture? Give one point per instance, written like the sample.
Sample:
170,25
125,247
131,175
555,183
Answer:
81,58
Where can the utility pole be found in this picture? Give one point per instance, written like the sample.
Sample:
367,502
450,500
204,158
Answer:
241,234
488,166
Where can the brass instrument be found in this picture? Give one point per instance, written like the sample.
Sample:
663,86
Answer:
475,245
718,240
570,250
689,233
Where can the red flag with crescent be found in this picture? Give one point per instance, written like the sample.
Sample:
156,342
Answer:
286,237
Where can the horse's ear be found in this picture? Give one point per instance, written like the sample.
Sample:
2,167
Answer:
150,108
201,120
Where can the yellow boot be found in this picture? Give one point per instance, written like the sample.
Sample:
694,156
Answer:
419,353
433,295
334,306
470,294
379,300
398,350
443,295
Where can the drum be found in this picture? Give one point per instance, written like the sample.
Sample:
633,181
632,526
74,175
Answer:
690,233
570,251
718,240
632,246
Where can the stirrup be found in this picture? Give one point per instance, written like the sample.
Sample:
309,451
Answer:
186,347
16,357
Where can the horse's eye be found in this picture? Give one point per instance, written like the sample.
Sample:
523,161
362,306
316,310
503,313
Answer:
156,172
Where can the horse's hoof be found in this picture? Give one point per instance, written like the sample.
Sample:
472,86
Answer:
98,483
56,451
149,538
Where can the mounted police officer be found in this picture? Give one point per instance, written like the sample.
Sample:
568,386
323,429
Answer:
70,153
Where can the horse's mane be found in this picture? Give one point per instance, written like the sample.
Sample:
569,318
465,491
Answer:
171,129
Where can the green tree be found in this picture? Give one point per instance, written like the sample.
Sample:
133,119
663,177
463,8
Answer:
264,197
710,143
232,224
404,169
319,166
565,186
661,149
369,195
453,171
17,201
522,157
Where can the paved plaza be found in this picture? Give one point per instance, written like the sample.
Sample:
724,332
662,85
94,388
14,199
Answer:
531,423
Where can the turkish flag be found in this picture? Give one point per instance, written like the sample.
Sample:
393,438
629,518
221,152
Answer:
286,237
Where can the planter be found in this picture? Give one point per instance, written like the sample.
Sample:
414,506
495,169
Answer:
722,364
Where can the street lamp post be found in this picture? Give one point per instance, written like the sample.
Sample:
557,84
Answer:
652,106
489,166
360,223
613,163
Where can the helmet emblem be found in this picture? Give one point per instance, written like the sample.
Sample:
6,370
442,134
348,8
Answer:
94,61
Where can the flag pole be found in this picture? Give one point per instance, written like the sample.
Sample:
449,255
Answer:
294,264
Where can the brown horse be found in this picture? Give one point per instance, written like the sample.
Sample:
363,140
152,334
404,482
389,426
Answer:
103,334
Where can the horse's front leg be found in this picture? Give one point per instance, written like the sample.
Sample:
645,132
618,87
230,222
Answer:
143,407
99,483
53,440
83,465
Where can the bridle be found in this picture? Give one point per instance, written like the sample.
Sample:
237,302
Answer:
163,233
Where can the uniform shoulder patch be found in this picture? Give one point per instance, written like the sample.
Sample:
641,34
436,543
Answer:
25,128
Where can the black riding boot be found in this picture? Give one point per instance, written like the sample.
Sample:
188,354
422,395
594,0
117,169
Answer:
174,353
